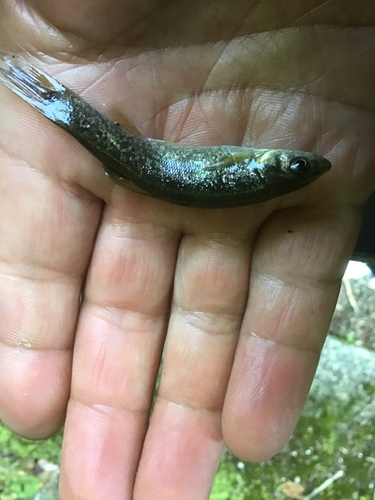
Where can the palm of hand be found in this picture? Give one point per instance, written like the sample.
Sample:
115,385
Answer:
242,347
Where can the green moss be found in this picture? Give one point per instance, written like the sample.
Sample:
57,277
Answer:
18,457
15,483
49,449
231,485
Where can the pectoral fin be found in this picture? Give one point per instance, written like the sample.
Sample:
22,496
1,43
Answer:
229,161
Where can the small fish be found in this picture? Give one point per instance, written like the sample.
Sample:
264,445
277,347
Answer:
207,176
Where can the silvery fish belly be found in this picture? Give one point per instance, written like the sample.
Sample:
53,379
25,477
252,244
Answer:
208,177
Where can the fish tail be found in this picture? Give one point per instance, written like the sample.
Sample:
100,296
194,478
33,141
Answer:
29,82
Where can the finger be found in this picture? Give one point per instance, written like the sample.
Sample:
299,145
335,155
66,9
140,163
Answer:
184,442
118,348
298,263
47,230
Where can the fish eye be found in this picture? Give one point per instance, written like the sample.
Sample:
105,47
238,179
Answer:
299,164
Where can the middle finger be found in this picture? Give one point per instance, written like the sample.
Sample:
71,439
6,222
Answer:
210,294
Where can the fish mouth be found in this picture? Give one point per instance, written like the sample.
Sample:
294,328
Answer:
325,164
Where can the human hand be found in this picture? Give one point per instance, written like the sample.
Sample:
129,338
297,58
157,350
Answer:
244,295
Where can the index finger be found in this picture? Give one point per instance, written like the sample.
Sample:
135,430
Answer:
298,263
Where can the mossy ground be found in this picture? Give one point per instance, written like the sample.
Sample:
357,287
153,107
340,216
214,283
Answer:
327,439
18,463
330,437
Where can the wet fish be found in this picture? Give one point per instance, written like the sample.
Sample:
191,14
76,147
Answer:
206,176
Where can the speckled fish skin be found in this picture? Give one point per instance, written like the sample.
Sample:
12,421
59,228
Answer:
207,177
